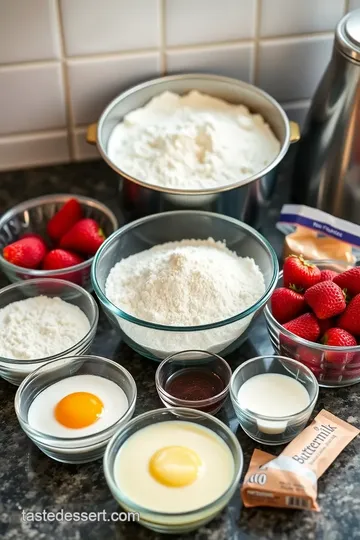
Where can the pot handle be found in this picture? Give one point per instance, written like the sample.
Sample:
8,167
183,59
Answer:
294,132
91,133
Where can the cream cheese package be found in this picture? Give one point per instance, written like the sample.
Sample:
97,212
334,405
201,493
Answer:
316,235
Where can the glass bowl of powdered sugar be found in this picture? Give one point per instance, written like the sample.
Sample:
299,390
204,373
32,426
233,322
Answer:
184,280
41,320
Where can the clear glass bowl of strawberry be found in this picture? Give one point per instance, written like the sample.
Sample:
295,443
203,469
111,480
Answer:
31,218
333,365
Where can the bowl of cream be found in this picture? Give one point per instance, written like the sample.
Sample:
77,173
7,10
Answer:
177,468
273,398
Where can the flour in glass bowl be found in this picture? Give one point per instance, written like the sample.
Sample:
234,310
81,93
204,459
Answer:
192,142
39,327
186,283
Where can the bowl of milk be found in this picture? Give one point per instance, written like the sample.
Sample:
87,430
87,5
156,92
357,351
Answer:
273,398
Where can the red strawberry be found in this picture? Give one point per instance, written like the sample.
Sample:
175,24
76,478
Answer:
59,258
326,299
325,324
287,304
350,319
85,236
26,252
64,219
337,337
328,275
305,326
349,280
299,274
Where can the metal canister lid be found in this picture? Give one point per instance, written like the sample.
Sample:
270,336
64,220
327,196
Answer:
348,35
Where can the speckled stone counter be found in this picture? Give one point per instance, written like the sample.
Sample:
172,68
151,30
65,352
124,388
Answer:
31,482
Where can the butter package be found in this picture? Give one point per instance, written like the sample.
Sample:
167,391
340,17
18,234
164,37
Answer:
290,480
316,235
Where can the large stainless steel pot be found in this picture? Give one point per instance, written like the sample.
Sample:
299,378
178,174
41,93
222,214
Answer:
243,200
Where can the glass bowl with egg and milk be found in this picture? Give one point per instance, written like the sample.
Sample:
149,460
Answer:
177,468
184,280
196,141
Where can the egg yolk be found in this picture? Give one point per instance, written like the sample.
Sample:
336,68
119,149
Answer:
78,410
175,466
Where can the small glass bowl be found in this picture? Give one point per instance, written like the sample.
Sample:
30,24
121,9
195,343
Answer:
344,367
14,371
33,216
182,522
79,449
197,360
266,429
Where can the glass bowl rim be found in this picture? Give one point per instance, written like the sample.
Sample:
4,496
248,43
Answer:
190,404
312,344
138,419
290,417
155,326
73,440
37,201
60,355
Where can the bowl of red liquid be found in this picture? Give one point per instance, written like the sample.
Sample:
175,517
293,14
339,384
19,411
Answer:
195,379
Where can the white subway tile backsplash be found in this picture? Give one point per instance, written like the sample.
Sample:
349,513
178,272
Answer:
297,111
206,21
354,4
290,69
28,31
32,98
95,82
22,151
84,150
231,61
63,61
299,17
103,26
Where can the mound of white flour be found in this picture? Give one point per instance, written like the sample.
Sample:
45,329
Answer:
40,326
187,283
192,142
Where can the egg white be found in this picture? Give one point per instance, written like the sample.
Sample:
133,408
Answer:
41,411
131,467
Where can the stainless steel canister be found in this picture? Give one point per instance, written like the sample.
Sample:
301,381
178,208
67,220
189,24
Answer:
327,164
243,200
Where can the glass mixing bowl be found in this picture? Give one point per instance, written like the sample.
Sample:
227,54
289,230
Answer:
33,216
344,372
157,341
15,371
166,522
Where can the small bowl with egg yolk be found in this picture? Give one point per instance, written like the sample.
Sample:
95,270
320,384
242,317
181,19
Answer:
71,407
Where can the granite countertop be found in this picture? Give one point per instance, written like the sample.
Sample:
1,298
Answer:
32,482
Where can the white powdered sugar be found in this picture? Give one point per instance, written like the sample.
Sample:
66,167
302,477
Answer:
40,326
192,142
186,283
